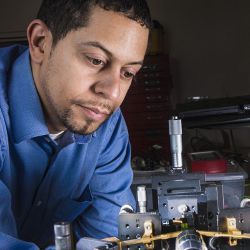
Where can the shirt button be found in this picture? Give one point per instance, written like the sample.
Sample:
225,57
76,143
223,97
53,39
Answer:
39,203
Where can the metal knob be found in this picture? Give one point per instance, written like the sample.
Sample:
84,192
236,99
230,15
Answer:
175,133
63,237
142,199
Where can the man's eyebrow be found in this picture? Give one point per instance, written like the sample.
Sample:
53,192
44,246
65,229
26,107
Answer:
101,47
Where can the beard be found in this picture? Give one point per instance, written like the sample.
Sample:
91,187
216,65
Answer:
85,125
67,120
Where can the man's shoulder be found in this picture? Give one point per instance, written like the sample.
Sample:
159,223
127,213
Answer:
8,55
116,116
114,126
116,120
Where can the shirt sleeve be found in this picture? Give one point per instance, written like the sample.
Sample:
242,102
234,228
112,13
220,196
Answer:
11,243
110,185
8,234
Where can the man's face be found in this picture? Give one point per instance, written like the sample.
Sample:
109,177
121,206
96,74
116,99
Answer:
85,77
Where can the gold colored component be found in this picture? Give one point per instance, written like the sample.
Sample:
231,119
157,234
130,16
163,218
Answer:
148,238
148,233
231,229
223,235
111,239
177,221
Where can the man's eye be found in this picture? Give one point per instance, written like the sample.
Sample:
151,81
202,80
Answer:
128,75
95,61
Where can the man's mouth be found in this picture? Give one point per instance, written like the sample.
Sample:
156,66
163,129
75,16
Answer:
95,113
98,110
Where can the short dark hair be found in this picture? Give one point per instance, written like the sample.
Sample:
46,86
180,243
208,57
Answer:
63,16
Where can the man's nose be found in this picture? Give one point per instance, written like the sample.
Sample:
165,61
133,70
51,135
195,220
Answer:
108,84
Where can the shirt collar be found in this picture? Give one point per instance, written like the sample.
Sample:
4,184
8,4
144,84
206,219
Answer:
26,112
69,137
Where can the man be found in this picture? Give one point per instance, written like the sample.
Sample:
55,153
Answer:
64,149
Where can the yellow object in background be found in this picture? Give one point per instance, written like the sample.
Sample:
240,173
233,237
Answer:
156,39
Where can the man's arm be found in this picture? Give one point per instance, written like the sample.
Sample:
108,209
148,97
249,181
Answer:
110,185
8,234
11,243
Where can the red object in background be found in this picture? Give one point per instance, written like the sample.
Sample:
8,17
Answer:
209,162
147,107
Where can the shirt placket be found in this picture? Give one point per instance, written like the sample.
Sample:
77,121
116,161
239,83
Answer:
39,205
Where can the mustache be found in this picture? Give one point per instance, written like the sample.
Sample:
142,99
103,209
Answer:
103,104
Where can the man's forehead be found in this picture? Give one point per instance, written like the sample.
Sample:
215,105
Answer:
114,34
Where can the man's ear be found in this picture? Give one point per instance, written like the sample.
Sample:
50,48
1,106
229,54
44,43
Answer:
39,38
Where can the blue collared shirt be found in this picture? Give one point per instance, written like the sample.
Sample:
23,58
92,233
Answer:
80,179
